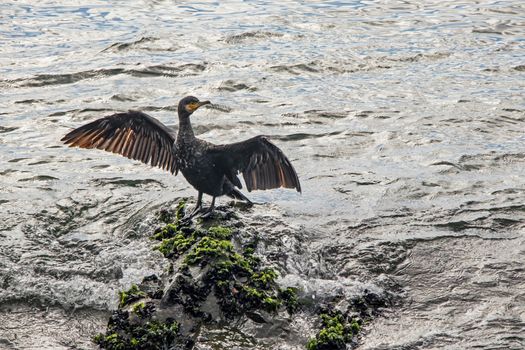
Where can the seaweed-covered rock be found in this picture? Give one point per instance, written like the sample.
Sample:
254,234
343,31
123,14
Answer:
216,284
342,320
234,276
213,279
130,295
336,331
151,335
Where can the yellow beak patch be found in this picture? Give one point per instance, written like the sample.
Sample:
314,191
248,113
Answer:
191,107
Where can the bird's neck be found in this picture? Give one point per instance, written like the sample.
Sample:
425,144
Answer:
185,129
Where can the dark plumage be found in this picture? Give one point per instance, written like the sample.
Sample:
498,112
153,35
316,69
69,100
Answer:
211,169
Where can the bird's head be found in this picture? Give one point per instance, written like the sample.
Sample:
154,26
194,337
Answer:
190,104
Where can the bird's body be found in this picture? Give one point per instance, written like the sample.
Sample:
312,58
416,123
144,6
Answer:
210,169
197,164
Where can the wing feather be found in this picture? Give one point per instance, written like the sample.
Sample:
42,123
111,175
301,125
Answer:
162,158
114,144
155,153
133,134
262,164
128,143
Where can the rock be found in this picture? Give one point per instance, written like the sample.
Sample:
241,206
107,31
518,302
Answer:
216,280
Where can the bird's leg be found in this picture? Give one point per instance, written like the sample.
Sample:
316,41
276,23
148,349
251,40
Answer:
208,212
212,206
195,210
198,206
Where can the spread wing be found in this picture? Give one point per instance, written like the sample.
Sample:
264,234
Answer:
134,134
262,164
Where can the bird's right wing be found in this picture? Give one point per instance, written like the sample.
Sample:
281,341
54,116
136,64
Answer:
262,164
133,134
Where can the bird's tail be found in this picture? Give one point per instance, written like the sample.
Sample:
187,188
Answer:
236,194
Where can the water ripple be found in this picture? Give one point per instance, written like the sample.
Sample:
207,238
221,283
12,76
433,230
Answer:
404,121
70,78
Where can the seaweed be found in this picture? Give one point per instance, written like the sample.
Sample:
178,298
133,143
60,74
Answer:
337,330
175,246
264,279
290,299
143,309
209,249
271,304
220,232
238,280
151,335
132,294
180,211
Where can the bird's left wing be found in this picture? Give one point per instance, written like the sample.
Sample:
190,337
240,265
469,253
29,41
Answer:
262,164
133,134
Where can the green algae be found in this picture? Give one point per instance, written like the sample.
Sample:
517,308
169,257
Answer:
355,326
290,299
112,341
265,278
138,307
252,293
168,216
180,211
176,240
220,232
271,304
209,249
155,332
151,335
143,309
335,333
167,231
132,294
175,246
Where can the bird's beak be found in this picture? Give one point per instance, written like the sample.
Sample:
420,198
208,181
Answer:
193,106
202,103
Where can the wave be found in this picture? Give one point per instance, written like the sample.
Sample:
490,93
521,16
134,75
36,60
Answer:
40,80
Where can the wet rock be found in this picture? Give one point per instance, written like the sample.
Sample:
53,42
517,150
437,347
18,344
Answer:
216,279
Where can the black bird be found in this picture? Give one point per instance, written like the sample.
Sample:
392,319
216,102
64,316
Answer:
209,168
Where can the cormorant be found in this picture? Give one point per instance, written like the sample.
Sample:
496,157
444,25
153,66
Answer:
209,168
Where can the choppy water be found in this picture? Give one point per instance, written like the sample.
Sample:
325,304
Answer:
405,122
